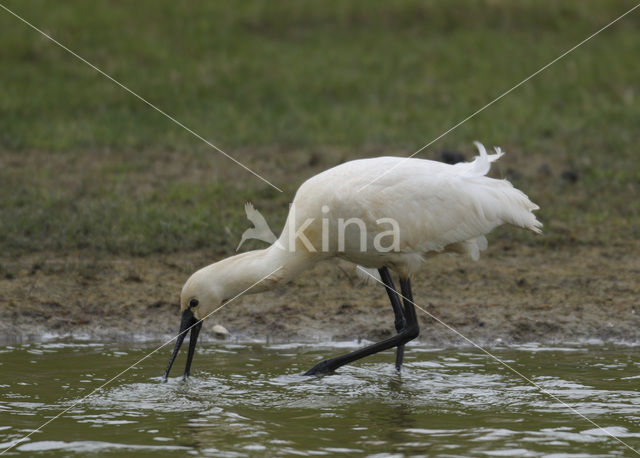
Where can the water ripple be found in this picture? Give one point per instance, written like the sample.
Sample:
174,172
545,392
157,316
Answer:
247,399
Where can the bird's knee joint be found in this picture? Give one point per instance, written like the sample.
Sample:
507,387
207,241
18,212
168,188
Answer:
412,331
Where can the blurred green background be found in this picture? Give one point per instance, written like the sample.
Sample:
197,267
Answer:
291,88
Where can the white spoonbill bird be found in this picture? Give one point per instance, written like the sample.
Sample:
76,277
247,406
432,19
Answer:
385,213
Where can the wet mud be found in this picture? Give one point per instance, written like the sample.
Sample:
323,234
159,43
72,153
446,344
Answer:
514,293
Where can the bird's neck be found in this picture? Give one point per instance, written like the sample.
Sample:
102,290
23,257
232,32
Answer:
261,270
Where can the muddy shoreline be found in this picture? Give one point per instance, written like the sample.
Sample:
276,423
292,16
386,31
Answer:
513,294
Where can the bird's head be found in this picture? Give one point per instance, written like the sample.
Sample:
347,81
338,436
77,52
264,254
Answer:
200,296
211,287
202,292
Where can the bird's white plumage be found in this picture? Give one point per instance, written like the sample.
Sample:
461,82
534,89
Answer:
438,208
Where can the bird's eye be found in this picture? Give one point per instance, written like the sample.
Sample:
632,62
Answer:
193,303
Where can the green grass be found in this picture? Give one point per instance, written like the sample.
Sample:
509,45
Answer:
283,84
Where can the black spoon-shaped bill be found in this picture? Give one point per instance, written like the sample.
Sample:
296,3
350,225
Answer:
189,322
193,339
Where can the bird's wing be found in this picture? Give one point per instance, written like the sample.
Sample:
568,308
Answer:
443,209
434,204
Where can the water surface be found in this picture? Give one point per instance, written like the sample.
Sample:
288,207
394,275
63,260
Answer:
249,399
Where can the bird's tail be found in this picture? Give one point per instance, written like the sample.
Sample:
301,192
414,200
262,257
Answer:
498,200
516,207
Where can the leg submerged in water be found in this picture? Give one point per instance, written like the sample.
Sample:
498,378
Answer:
405,319
400,319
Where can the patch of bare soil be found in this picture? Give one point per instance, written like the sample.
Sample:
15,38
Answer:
514,293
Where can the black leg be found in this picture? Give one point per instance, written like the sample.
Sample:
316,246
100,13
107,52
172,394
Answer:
400,320
408,332
409,309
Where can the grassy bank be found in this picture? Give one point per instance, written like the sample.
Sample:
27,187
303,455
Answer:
291,88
